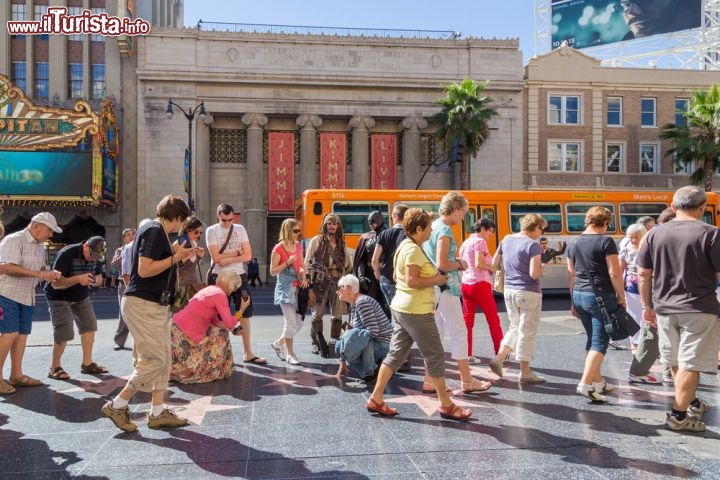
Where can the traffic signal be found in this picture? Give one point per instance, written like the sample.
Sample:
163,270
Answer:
457,154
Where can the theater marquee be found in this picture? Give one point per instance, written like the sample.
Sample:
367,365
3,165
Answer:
53,156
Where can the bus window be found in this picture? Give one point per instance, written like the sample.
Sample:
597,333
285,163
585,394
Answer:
708,217
489,212
630,212
353,215
550,212
469,220
575,215
428,207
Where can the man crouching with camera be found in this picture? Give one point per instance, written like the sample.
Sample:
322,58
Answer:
145,308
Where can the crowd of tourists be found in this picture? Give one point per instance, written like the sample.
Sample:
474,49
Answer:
410,284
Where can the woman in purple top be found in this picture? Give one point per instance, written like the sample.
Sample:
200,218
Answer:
520,256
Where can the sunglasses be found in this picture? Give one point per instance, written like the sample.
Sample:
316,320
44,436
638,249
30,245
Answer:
296,230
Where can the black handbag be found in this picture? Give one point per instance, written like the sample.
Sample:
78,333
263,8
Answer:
618,325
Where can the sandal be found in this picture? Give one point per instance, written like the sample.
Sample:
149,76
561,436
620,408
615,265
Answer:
24,381
476,386
381,408
429,389
6,388
58,373
93,369
453,412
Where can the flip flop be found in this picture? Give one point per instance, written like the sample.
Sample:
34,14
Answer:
256,360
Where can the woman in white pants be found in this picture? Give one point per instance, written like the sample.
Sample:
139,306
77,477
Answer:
286,262
442,249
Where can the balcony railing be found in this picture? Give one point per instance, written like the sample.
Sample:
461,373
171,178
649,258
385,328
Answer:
329,31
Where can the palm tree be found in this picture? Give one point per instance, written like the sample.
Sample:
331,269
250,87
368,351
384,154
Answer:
464,120
698,141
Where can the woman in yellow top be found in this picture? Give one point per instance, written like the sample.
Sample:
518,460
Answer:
413,313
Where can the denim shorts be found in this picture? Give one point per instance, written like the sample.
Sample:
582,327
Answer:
17,318
592,319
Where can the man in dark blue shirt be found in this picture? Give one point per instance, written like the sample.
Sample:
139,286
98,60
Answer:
69,301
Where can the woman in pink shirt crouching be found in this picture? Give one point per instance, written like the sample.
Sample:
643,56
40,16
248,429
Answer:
201,350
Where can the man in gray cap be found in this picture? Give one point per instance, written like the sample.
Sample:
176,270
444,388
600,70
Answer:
69,301
24,254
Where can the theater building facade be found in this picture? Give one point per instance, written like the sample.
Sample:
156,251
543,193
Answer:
290,112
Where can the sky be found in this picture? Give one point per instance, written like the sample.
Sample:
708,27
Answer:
474,18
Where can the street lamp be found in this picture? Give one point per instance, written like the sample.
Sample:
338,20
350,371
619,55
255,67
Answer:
190,115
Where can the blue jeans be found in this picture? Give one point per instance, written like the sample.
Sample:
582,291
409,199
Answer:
592,319
387,288
367,362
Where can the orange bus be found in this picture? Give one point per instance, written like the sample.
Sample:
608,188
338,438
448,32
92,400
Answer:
563,210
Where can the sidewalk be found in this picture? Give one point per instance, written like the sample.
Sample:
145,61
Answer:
275,421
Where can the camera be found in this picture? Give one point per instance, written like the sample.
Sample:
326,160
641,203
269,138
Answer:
244,295
184,241
444,286
165,298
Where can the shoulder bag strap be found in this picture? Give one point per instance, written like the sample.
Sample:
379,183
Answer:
598,298
224,246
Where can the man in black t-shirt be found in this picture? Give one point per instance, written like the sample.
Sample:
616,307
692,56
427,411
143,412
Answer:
382,260
69,301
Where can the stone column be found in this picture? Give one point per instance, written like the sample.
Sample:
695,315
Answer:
360,127
201,167
308,175
255,215
411,151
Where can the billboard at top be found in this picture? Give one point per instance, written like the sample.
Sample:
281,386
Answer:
589,23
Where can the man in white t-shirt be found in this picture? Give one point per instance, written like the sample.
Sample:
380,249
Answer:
235,253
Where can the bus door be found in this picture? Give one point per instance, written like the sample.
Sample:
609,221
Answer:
490,212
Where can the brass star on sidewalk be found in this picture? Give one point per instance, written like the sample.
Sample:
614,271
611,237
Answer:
303,377
427,403
631,394
100,387
195,410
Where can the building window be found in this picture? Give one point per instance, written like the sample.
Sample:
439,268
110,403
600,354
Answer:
684,169
17,14
647,114
75,80
614,111
97,38
75,12
563,157
648,157
564,109
18,76
682,106
614,158
97,80
38,12
42,79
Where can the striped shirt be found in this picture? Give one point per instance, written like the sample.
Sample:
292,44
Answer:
367,313
21,249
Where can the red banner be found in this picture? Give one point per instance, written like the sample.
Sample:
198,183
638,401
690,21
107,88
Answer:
281,171
332,160
384,162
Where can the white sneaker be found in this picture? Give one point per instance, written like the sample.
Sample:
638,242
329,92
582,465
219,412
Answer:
649,379
292,360
590,392
602,387
698,411
690,423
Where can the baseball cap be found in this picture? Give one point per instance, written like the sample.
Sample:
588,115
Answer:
98,246
47,218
